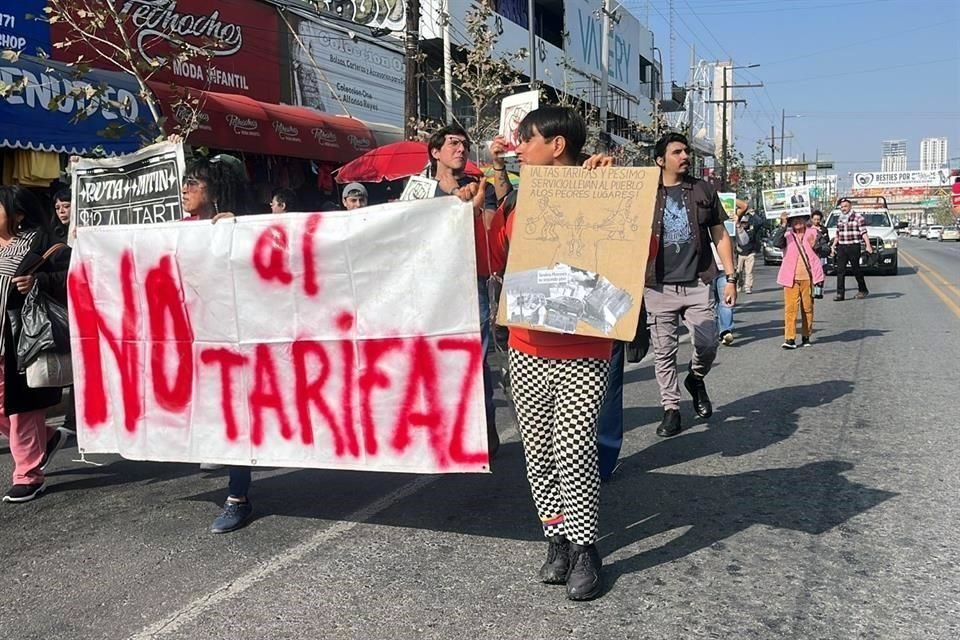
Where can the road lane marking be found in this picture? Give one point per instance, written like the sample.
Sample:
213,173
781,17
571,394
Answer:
952,287
201,605
913,262
196,609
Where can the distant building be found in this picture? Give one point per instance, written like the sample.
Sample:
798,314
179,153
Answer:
894,155
933,153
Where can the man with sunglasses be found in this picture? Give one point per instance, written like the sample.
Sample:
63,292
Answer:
449,149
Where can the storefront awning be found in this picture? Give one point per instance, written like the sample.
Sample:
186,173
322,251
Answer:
48,109
238,123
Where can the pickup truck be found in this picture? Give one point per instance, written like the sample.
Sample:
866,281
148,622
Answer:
881,231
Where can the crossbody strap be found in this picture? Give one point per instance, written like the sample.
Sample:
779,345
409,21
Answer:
49,253
803,255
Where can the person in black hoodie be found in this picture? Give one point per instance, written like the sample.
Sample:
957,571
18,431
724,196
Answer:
24,238
60,221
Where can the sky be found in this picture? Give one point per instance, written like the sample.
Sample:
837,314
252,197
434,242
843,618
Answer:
855,72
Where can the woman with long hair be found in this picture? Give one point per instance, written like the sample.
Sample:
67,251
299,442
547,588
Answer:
60,221
24,238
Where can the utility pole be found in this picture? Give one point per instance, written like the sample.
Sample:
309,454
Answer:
724,151
783,124
532,29
447,65
411,85
773,156
607,16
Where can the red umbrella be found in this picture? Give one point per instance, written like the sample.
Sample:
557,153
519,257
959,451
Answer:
392,162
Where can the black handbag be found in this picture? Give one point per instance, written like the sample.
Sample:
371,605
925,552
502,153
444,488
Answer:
41,326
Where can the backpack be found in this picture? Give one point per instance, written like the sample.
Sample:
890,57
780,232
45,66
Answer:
821,246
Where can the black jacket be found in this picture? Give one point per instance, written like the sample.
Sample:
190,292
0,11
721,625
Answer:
703,211
51,279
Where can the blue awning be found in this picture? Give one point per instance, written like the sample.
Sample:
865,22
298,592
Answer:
51,111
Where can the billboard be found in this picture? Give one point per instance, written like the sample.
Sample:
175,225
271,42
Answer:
240,41
340,75
628,41
901,179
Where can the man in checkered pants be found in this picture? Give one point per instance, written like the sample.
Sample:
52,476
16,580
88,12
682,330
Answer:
559,381
851,231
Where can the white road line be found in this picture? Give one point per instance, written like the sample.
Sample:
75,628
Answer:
191,612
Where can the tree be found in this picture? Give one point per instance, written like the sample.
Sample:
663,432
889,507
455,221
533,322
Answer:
481,77
102,28
944,213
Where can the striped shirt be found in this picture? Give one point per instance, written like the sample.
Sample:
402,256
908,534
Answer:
851,228
10,258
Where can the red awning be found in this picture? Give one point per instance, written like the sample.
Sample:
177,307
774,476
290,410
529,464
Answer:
238,123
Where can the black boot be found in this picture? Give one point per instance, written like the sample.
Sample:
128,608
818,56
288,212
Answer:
555,569
697,389
584,582
670,425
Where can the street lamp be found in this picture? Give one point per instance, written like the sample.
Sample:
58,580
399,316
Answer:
725,143
783,120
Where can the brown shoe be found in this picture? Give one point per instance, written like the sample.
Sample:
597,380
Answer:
861,296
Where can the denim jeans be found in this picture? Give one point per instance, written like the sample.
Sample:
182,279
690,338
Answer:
485,334
240,479
610,422
724,312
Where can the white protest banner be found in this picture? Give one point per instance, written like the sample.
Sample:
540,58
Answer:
344,340
793,201
139,188
513,110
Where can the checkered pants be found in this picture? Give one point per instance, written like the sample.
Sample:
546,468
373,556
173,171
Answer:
558,402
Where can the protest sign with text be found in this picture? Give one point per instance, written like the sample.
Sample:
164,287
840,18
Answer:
139,188
346,340
578,254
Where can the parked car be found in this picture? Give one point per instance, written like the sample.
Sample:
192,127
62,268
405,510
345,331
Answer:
923,231
914,232
771,254
951,234
934,231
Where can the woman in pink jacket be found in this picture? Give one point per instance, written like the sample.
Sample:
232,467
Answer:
800,271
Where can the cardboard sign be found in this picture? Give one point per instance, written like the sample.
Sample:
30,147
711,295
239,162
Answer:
578,254
793,201
512,111
139,188
419,188
344,340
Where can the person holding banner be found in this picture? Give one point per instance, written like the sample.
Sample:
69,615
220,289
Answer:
24,239
559,382
214,190
688,218
448,149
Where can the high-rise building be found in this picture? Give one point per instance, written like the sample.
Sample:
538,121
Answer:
894,155
933,153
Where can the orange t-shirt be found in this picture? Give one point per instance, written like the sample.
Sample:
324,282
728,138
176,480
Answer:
544,344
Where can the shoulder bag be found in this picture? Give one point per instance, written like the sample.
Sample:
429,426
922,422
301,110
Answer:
43,344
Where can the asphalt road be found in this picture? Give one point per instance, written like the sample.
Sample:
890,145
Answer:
821,501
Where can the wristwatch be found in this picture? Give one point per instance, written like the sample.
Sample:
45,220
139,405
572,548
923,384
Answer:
732,279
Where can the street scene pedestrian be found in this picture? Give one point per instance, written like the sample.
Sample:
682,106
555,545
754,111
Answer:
851,238
799,275
688,218
239,241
